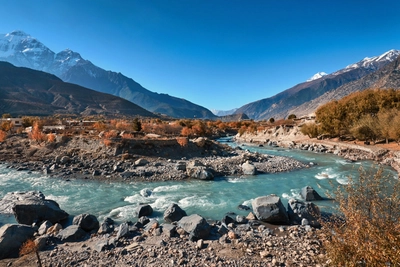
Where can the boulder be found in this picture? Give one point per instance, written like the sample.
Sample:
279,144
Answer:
145,192
44,227
173,213
197,170
12,236
141,162
144,210
309,194
30,207
270,209
105,228
54,230
306,213
123,230
200,141
169,229
87,222
180,166
72,233
248,168
196,226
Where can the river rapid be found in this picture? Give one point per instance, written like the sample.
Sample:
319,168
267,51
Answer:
210,199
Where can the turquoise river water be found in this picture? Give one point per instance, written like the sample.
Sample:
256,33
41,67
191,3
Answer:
211,199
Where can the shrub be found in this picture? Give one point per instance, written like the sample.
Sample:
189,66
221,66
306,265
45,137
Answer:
366,230
310,129
292,117
182,141
36,134
28,247
107,142
51,137
3,136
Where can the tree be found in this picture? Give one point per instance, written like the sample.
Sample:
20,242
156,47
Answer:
136,125
292,117
271,120
6,116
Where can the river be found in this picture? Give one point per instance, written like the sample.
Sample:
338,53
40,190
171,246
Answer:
211,199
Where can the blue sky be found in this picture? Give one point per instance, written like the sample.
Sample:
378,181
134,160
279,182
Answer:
218,54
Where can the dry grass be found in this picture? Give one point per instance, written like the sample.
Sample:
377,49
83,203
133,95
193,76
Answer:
28,247
367,230
3,136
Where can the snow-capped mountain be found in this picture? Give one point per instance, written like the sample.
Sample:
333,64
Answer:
22,50
286,102
317,76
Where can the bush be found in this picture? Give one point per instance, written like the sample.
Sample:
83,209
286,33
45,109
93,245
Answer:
366,230
310,129
3,136
292,117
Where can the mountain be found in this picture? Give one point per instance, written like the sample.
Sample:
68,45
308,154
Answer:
223,112
24,91
317,76
285,103
23,50
387,77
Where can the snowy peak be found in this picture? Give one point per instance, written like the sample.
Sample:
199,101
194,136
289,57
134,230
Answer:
376,62
317,76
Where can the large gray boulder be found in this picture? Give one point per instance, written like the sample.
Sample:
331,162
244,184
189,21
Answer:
195,225
30,207
299,210
72,233
87,222
309,194
248,168
144,210
173,213
12,236
197,170
270,209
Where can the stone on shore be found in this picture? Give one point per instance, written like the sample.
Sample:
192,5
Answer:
174,213
30,207
87,222
72,233
197,170
309,194
303,213
144,210
270,209
12,236
196,226
248,168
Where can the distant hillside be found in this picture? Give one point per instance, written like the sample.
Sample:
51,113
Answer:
286,102
387,77
23,50
25,91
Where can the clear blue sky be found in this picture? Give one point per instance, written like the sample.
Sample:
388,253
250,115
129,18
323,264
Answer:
220,54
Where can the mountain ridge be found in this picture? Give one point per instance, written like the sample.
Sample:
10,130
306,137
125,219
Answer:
21,49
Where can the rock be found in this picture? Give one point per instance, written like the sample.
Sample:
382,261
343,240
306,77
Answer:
180,166
64,160
226,220
299,210
232,235
87,222
270,209
44,227
41,242
248,168
197,170
241,219
72,233
169,229
195,225
251,217
309,194
145,192
243,207
200,244
174,213
54,230
144,210
105,228
200,141
141,162
30,207
143,221
123,230
101,245
12,236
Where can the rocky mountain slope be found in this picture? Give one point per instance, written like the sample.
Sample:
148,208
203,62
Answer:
23,50
387,77
26,91
286,102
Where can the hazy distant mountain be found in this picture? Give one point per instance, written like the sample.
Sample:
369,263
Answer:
286,102
387,77
25,91
223,112
23,50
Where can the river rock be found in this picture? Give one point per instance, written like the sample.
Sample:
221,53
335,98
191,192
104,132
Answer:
144,210
270,209
30,207
12,236
174,213
309,194
197,170
72,233
145,192
44,227
196,226
248,168
141,162
87,222
200,141
123,230
300,213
